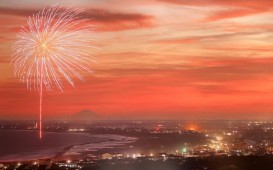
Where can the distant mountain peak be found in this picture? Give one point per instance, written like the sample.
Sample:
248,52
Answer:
85,115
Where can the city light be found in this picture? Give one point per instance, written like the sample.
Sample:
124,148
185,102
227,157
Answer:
184,150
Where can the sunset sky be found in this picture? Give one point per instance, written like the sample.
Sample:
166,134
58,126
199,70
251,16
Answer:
158,59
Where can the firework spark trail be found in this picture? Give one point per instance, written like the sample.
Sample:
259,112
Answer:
53,48
41,100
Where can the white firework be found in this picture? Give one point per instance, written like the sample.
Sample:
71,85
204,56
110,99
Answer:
55,47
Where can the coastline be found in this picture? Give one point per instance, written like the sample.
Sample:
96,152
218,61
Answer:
101,141
111,141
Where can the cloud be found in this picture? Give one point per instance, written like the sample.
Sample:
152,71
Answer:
243,48
5,61
114,21
227,69
250,3
18,11
194,39
103,20
207,83
233,13
233,9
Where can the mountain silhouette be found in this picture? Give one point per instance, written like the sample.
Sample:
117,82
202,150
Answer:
84,115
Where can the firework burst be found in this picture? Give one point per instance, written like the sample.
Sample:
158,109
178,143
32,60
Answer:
55,47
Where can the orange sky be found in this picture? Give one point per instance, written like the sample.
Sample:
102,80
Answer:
164,59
